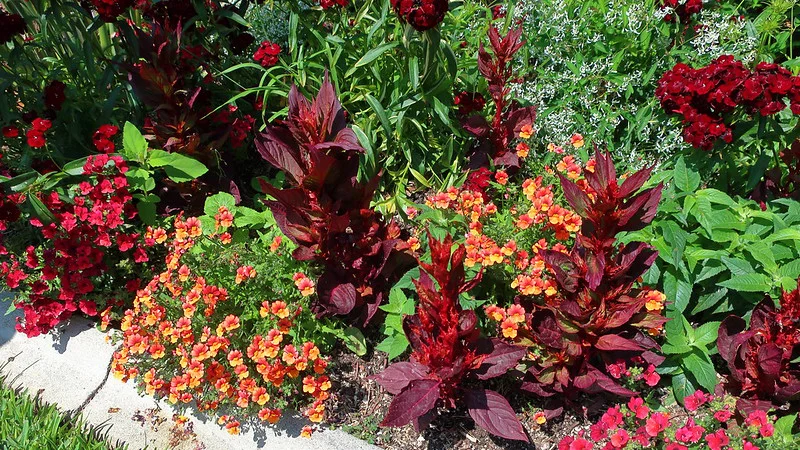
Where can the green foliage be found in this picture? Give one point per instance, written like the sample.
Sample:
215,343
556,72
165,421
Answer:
27,423
395,343
717,254
688,351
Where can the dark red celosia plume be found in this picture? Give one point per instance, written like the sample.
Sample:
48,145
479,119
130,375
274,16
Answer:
448,352
597,318
761,358
421,14
327,210
494,138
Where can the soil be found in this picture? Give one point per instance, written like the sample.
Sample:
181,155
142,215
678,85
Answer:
358,405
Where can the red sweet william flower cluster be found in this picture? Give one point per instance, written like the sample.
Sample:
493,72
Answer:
327,4
10,26
684,9
267,54
706,97
102,138
108,10
85,239
421,14
35,135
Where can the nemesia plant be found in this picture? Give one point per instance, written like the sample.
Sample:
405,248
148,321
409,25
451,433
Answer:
510,121
327,210
594,324
89,246
449,356
761,356
708,422
207,331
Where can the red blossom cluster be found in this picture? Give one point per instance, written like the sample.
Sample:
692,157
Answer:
421,14
10,25
761,357
85,238
108,10
684,9
54,95
35,135
708,424
328,4
267,54
102,138
706,97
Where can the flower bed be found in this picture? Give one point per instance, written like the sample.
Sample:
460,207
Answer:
415,216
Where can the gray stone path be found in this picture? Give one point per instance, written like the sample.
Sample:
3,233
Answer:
70,369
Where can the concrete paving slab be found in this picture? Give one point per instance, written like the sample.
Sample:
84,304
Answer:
70,371
64,368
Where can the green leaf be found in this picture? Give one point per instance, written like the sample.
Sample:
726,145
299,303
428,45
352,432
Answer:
395,345
685,179
179,168
213,203
751,282
737,266
75,167
371,55
708,301
763,254
700,366
682,387
134,145
40,210
671,349
147,212
706,334
354,340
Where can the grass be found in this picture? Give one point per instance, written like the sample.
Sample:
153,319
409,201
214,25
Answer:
28,423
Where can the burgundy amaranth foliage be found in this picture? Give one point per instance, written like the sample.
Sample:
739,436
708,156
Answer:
87,238
707,423
10,25
172,78
706,97
780,184
598,321
421,14
684,9
510,121
327,210
448,354
760,358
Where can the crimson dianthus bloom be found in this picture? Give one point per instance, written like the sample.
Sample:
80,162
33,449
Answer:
267,54
421,14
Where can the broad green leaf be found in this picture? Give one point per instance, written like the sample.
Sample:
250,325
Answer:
706,334
700,366
394,345
134,145
682,387
708,301
371,55
751,282
354,340
737,266
763,254
179,168
213,203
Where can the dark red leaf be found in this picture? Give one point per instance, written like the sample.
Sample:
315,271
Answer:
612,342
416,399
397,376
343,299
501,359
492,412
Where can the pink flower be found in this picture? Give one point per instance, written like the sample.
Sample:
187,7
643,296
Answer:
638,408
695,400
717,440
620,439
723,415
657,423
